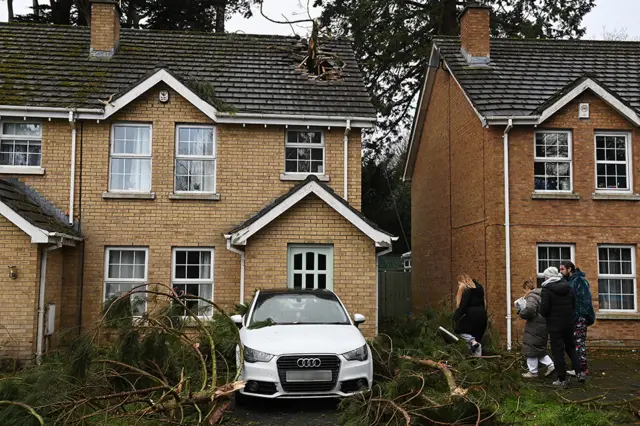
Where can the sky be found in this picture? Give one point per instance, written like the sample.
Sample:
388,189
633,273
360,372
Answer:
609,15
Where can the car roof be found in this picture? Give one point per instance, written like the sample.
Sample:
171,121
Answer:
274,291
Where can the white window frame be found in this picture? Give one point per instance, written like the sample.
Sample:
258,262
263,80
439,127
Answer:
569,160
322,145
628,146
131,156
18,169
197,157
326,249
134,281
620,276
571,246
183,281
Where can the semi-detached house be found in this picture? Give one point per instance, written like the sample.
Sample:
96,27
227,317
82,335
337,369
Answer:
523,155
206,162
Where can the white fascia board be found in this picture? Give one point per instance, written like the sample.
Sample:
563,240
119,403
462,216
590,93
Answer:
169,80
295,120
604,94
241,236
48,112
37,235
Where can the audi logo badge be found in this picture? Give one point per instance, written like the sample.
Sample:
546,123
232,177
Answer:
309,362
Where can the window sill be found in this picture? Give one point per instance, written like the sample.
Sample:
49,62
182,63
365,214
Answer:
300,177
21,170
609,196
206,197
129,195
555,196
635,316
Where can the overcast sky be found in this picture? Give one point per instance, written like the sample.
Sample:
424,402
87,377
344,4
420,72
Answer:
614,15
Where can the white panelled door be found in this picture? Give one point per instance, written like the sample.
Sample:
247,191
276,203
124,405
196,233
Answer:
310,266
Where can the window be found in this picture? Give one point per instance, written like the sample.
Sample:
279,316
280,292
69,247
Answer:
553,255
195,159
310,267
193,276
304,152
130,168
617,278
552,161
612,162
21,144
126,268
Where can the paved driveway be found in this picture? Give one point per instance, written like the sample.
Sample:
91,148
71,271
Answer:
263,412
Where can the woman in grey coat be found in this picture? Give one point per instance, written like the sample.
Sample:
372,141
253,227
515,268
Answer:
534,345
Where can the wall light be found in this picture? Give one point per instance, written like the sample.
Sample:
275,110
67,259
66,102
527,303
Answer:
13,272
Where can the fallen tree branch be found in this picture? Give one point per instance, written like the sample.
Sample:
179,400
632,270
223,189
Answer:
396,407
26,407
454,389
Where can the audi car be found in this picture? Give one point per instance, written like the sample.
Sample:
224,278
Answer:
302,344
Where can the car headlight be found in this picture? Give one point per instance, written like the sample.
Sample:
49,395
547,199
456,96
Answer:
252,355
360,354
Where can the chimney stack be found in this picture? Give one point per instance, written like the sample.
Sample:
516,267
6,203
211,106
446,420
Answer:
105,28
475,33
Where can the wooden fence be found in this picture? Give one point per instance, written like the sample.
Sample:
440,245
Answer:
394,293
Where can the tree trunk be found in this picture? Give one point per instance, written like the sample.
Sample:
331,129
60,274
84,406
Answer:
220,12
61,12
36,9
449,18
84,12
10,10
133,21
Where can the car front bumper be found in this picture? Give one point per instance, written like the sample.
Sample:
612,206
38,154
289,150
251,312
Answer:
265,374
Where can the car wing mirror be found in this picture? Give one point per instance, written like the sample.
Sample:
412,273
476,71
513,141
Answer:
237,319
358,319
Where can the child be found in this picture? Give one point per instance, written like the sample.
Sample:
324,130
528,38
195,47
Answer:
534,345
470,316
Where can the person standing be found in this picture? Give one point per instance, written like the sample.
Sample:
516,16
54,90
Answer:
470,315
584,314
534,344
558,308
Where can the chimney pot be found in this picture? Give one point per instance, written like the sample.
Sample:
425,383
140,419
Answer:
475,33
105,28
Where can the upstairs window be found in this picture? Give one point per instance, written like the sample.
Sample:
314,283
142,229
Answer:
552,161
195,159
130,165
21,144
613,158
304,152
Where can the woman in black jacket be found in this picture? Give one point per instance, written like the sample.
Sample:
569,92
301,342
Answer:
471,315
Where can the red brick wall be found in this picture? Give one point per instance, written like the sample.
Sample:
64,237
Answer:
474,31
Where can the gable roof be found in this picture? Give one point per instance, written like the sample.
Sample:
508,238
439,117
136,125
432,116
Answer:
24,209
49,66
311,185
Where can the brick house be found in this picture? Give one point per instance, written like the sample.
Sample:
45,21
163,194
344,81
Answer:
207,162
521,157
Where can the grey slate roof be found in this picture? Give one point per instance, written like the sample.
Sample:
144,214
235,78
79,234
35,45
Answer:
34,208
311,178
47,65
527,74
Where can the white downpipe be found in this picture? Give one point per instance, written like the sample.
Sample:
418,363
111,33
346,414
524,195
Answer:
378,255
507,229
242,258
41,294
72,185
346,158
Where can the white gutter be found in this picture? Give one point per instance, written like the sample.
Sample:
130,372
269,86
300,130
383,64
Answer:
242,258
41,294
346,158
378,255
507,229
72,185
48,109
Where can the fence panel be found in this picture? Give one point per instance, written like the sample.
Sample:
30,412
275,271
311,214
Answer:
394,293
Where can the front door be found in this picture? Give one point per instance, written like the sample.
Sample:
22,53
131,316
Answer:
310,266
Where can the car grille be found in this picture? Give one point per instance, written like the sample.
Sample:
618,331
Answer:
290,362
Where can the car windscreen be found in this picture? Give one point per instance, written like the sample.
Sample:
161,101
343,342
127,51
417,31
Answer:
298,308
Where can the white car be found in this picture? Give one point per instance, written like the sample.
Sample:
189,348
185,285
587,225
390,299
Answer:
302,344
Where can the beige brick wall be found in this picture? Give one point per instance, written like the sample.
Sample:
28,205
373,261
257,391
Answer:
105,26
312,221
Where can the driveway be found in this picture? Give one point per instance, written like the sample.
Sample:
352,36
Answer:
264,412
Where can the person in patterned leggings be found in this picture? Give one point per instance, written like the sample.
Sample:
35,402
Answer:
584,313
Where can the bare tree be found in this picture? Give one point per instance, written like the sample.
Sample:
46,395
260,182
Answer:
617,34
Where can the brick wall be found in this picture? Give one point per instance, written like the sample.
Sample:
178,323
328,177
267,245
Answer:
312,221
474,31
105,26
